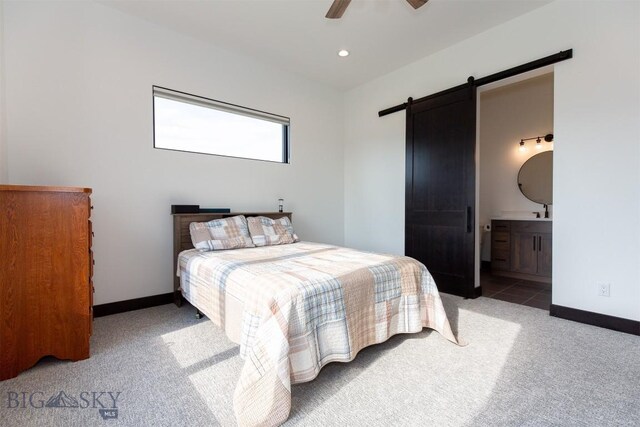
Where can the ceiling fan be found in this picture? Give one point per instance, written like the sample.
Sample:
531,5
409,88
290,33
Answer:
339,6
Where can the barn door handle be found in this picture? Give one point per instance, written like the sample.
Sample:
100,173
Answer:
469,219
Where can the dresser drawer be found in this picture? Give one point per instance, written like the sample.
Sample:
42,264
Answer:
531,226
497,225
500,240
500,260
91,263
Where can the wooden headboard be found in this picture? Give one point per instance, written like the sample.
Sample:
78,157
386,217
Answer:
182,236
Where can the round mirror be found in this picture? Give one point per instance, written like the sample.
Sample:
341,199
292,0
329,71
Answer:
535,178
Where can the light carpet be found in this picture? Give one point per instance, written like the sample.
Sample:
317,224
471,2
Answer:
521,368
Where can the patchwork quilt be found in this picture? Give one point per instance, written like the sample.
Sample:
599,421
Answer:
305,305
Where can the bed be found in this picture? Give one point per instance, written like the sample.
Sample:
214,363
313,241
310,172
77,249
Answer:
293,308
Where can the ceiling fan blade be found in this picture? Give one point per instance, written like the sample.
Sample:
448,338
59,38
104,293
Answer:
417,3
337,9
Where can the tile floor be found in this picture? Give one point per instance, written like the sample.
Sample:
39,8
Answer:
518,291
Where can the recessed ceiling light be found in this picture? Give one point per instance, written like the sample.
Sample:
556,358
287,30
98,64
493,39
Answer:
343,53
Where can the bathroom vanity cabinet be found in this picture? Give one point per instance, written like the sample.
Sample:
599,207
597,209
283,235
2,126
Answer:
521,249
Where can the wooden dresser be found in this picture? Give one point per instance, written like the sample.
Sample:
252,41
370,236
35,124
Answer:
521,249
46,268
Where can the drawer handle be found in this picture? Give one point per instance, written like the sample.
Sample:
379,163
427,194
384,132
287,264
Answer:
500,241
499,259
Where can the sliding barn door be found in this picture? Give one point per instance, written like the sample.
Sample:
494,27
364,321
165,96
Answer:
440,187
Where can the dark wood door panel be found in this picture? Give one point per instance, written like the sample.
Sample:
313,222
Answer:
544,254
438,178
440,188
524,255
445,218
436,248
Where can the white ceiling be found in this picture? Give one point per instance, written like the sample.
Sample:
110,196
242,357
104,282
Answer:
382,35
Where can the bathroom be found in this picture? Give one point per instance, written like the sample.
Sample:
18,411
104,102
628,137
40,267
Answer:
515,186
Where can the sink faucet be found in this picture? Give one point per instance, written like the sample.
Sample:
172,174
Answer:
546,211
537,214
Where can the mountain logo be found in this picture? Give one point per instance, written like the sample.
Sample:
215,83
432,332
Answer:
61,400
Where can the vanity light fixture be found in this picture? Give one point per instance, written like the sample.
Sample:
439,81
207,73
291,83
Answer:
522,148
548,138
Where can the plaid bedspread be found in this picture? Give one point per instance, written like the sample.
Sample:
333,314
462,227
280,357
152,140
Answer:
305,305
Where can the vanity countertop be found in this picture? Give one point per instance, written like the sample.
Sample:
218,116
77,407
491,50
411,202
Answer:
519,218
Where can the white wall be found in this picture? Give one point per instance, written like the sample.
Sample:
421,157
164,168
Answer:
3,137
596,116
78,87
507,115
78,98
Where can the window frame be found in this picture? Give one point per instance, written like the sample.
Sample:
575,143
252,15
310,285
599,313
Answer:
227,107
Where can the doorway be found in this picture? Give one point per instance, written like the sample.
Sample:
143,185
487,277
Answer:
528,263
513,258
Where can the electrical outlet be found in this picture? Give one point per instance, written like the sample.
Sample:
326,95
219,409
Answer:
604,290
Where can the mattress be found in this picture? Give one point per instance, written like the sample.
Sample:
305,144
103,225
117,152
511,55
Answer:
294,308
